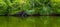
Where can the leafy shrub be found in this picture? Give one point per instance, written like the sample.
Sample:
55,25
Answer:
3,8
29,6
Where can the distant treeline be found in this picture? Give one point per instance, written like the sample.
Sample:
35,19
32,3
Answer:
29,7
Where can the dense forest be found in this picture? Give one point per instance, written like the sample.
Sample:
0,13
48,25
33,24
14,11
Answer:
29,7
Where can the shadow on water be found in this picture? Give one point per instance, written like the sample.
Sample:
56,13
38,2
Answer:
30,21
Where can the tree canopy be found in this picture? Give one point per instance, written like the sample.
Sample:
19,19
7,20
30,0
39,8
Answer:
29,6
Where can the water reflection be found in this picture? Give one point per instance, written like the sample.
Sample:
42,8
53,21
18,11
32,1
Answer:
37,21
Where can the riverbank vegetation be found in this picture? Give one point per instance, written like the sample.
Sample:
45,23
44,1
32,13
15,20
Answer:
29,7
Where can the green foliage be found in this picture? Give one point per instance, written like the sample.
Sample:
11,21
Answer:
56,5
29,6
46,10
3,7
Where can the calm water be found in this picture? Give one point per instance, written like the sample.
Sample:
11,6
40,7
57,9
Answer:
41,21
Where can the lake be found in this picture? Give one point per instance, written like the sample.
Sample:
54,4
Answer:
30,21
